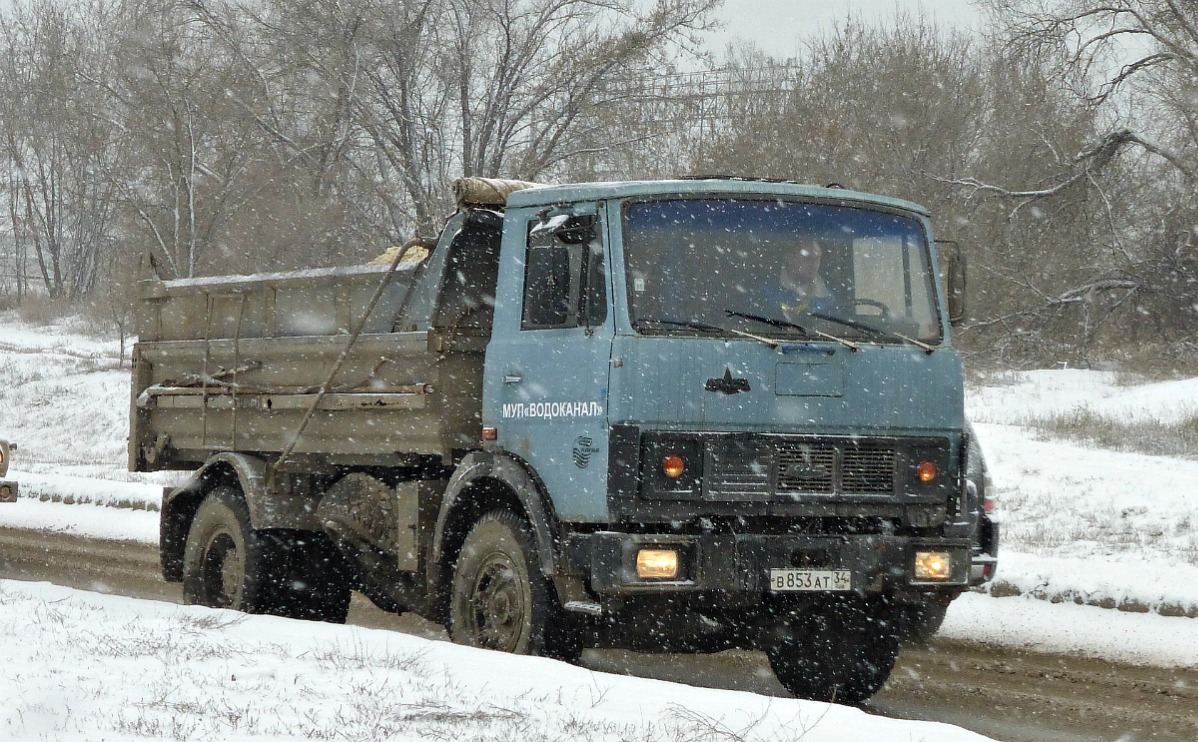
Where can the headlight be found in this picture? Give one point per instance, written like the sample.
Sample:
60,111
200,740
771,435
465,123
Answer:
657,564
933,566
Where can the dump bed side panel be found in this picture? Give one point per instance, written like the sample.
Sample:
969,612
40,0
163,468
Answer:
237,364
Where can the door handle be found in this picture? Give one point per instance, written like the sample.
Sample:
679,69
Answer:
512,379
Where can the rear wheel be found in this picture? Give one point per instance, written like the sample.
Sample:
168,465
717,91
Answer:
227,564
841,653
500,598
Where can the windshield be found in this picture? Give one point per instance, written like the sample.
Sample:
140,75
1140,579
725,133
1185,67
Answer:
783,267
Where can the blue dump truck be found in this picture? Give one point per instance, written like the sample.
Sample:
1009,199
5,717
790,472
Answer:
673,416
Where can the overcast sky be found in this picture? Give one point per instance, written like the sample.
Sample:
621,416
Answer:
779,26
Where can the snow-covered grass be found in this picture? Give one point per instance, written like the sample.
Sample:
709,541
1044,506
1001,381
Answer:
1083,523
87,666
64,397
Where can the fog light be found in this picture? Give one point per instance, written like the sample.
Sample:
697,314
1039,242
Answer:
6,494
656,564
933,565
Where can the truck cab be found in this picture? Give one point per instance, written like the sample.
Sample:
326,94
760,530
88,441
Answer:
705,443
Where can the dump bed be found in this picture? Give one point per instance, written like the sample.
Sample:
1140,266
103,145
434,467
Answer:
240,363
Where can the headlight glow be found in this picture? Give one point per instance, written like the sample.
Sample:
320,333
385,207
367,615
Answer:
657,564
933,565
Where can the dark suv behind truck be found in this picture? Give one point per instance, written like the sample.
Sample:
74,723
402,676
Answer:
8,489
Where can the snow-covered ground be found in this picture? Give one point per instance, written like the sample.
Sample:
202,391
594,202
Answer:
87,666
1079,525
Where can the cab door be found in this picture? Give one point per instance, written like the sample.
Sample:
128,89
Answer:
545,386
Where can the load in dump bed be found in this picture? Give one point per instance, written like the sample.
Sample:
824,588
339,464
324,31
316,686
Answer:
584,419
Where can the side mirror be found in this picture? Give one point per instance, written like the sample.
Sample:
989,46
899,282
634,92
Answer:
954,280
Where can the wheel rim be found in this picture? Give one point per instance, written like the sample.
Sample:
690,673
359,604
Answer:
224,570
500,603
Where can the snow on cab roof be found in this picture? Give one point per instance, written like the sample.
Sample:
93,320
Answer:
572,192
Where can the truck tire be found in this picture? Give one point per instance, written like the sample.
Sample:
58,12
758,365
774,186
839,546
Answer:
309,583
500,599
843,653
227,564
919,622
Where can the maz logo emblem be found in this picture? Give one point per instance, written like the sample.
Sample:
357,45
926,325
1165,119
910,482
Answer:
584,449
727,384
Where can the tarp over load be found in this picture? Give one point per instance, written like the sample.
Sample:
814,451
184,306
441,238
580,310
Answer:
493,192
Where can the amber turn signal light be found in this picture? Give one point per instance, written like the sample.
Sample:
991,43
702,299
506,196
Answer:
673,466
926,471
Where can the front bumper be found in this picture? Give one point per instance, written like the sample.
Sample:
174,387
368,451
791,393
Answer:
739,563
8,490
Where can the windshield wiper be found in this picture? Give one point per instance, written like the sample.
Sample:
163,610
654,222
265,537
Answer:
877,331
769,321
774,322
703,326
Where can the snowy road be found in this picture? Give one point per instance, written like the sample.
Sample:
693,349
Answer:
1009,694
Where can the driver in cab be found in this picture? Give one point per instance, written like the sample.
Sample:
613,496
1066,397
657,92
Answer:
800,289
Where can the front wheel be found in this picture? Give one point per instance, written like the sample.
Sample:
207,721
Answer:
843,652
919,622
500,599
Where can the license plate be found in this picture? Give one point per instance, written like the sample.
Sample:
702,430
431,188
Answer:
811,580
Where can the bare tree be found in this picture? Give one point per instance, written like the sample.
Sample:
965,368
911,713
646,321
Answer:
415,93
53,151
302,69
1135,64
185,156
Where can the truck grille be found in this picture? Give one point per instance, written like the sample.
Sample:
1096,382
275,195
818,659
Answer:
756,468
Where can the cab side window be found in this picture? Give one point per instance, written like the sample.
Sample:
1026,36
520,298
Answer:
564,274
